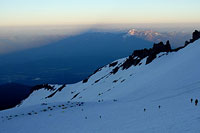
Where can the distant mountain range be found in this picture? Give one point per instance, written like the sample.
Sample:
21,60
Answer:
147,34
176,38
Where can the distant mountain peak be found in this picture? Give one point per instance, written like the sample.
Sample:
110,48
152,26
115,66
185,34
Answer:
149,35
132,32
176,38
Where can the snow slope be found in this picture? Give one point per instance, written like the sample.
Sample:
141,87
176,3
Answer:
116,102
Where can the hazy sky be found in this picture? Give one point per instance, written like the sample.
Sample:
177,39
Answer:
55,12
32,23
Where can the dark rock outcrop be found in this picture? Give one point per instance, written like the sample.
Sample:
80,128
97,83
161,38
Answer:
161,47
195,36
141,53
113,64
75,95
151,54
45,86
115,70
86,80
59,89
130,61
150,58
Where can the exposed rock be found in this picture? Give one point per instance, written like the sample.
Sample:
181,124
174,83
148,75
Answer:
195,35
59,89
141,53
151,53
130,61
97,81
150,58
75,96
45,86
160,47
113,64
115,70
86,80
186,43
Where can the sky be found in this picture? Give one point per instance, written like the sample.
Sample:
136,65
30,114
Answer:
61,12
33,23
